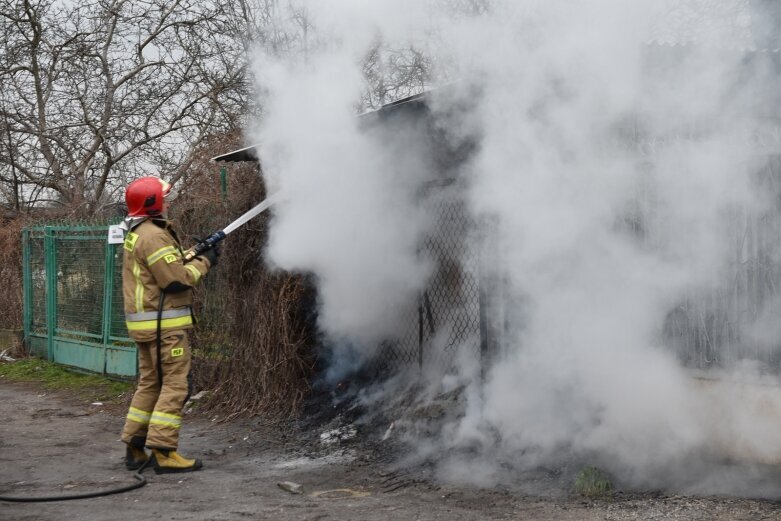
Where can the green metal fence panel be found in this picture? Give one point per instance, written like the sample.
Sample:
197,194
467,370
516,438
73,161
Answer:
117,328
81,270
73,302
50,262
37,283
35,290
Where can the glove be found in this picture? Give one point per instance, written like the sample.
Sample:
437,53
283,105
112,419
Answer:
212,255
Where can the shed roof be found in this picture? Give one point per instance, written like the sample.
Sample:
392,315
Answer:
250,153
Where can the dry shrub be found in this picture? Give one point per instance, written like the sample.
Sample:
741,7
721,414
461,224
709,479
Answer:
253,343
11,272
266,366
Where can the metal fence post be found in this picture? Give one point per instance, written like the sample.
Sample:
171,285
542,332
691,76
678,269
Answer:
224,182
50,256
489,292
27,288
108,286
485,332
420,331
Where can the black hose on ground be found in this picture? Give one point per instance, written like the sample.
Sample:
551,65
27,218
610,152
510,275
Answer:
137,475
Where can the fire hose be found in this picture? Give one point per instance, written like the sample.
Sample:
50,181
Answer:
200,248
141,481
210,241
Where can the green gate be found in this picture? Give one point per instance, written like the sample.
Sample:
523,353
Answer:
73,299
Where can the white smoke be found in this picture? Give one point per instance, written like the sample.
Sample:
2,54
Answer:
599,238
348,214
586,371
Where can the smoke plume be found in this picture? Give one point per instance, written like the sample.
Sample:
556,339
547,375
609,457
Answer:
616,160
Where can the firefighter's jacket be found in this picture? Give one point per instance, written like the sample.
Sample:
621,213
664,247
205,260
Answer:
153,263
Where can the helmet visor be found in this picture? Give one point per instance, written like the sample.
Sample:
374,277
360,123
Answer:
169,192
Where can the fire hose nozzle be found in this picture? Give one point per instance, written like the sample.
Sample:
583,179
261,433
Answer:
204,246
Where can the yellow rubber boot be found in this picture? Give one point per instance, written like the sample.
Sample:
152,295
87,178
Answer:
170,461
135,457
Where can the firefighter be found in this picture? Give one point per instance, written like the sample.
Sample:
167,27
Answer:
157,288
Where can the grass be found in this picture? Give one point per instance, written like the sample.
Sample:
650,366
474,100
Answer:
592,482
59,378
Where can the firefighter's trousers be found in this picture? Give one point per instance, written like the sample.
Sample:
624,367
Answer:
156,413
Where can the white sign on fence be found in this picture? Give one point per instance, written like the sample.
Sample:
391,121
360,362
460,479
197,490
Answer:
116,234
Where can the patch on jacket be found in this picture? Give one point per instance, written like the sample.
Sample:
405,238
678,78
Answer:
170,258
130,241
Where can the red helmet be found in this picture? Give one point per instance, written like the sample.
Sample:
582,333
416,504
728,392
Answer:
144,197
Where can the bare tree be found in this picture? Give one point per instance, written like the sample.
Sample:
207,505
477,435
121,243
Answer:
284,29
98,92
392,74
266,25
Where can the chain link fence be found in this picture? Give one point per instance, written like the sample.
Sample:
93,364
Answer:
447,320
462,310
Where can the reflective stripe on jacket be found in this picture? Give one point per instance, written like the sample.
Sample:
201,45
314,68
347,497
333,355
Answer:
152,261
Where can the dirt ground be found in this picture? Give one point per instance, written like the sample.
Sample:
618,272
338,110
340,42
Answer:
52,444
